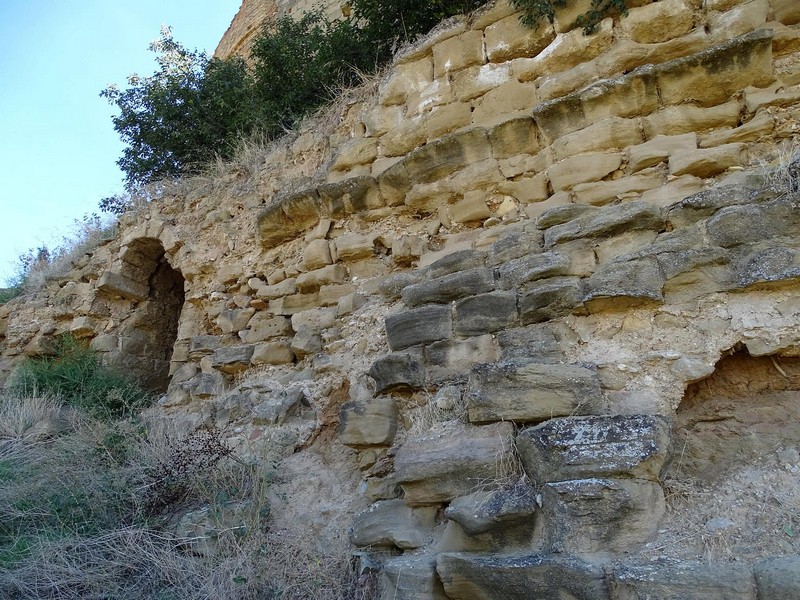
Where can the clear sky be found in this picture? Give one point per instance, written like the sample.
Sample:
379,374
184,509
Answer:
58,148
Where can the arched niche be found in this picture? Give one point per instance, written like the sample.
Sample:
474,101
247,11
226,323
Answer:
148,332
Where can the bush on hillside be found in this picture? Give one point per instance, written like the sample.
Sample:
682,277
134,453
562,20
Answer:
75,375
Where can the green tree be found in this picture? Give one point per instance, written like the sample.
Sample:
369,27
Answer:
190,110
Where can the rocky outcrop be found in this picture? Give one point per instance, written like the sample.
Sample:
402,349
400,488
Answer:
480,293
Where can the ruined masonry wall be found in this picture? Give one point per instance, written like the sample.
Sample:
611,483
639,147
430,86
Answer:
470,302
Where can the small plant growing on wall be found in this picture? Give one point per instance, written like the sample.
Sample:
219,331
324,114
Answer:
536,12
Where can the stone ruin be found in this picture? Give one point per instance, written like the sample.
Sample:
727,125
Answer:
480,311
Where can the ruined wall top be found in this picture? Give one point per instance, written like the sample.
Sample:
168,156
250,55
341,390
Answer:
254,13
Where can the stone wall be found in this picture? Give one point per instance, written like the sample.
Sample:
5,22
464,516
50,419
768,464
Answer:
252,15
470,302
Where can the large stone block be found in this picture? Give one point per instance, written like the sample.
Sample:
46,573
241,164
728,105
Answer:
419,326
513,137
632,187
519,577
447,155
769,266
685,581
778,577
659,149
580,169
582,447
115,284
535,343
371,422
508,38
287,217
349,196
494,510
263,326
450,287
458,52
508,98
406,79
454,358
272,353
620,285
707,162
393,523
476,81
607,222
614,133
711,77
485,313
313,280
460,260
530,393
403,370
411,578
587,516
548,299
764,221
451,460
688,118
786,11
658,22
232,360
529,268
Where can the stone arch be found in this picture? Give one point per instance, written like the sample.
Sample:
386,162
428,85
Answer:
746,409
147,334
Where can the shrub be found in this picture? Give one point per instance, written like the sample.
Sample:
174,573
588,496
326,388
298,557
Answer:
536,11
75,375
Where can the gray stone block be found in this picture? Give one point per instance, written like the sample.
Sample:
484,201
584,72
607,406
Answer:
580,447
530,393
531,267
411,578
514,244
778,578
685,581
520,577
450,287
398,370
769,266
453,359
419,326
702,205
489,511
777,218
232,360
391,286
393,523
550,298
588,516
618,286
372,422
485,313
610,221
461,260
535,343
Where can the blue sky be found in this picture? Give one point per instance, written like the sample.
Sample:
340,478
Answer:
58,148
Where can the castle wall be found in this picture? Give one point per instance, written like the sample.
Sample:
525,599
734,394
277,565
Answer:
520,239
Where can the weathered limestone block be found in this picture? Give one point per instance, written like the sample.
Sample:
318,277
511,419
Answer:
316,319
564,51
349,196
446,119
450,287
770,265
391,286
659,149
607,222
686,581
514,242
393,523
786,11
534,343
631,187
632,95
276,404
485,313
402,370
81,327
547,299
451,460
487,511
263,326
313,280
289,305
713,76
473,82
739,20
532,267
778,577
481,577
586,516
447,155
306,342
232,360
205,385
233,320
471,208
115,284
283,288
613,133
515,136
457,53
658,22
354,246
401,140
508,38
707,162
287,217
203,345
580,169
582,447
407,248
765,221
329,295
620,285
688,118
272,353
762,124
411,578
419,326
508,98
380,119
562,214
355,152
452,359
438,93
530,393
461,260
406,79
703,205
527,189
370,422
